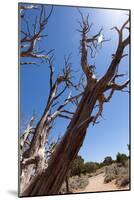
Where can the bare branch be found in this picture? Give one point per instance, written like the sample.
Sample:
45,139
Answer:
28,63
84,25
94,37
95,41
107,99
116,58
35,26
58,95
50,61
120,32
102,99
60,108
64,78
92,43
85,28
125,55
64,116
33,55
99,113
27,132
85,122
115,86
56,103
68,112
32,38
117,76
116,28
124,25
29,161
28,7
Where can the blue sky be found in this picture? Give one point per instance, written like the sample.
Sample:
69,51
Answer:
111,135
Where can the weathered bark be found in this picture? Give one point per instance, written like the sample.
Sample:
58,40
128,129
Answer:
37,152
37,143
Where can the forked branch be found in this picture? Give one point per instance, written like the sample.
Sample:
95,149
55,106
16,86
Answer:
28,42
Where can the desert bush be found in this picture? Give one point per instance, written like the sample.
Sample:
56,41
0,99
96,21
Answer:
123,171
111,170
78,182
122,181
100,170
75,183
119,172
109,178
92,174
119,164
127,164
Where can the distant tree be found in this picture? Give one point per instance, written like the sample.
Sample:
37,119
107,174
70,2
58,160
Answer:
128,146
108,160
90,167
101,164
121,158
77,166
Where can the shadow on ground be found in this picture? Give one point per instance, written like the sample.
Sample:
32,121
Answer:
13,193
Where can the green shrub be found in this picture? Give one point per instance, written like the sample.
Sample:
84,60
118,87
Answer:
108,160
77,166
90,167
121,158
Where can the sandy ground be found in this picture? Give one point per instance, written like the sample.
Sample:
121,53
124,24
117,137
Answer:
96,183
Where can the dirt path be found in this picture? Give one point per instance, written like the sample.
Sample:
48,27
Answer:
96,183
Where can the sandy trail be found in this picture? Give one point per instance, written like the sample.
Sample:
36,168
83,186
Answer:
96,183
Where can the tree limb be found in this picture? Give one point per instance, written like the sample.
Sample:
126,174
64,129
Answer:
99,113
68,112
115,86
29,161
116,59
32,38
64,116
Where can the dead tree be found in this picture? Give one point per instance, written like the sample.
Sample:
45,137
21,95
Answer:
33,155
33,158
49,181
32,35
